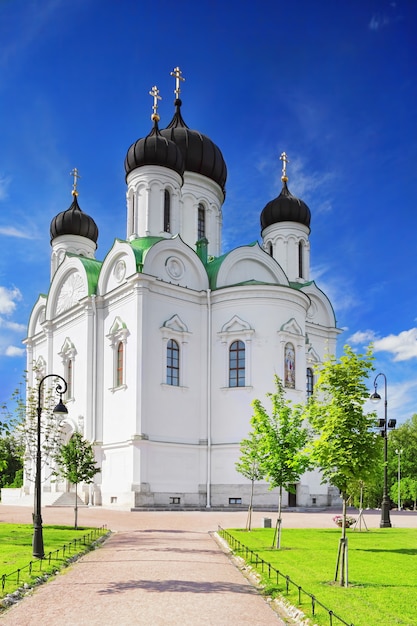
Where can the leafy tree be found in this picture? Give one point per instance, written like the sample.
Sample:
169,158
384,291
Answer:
345,447
11,461
403,438
11,450
76,463
249,465
26,429
282,440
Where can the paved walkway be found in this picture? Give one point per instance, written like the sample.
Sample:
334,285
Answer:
158,568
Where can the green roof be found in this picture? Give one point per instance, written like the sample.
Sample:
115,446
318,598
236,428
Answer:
140,246
92,269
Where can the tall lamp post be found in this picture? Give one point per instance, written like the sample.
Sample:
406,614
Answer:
59,410
384,425
399,452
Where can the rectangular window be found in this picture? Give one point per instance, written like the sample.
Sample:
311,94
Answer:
201,227
235,500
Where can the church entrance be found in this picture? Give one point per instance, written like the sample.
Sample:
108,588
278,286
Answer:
292,498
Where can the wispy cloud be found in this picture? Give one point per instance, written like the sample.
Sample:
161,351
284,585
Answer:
8,300
14,351
13,326
11,231
402,346
4,185
362,337
378,21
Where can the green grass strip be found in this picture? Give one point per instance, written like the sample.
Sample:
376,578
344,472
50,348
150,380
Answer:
382,587
62,544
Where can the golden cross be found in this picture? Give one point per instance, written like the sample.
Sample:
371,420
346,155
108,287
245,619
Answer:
177,73
284,160
74,184
154,92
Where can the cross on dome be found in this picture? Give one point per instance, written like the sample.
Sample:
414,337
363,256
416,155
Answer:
76,175
154,92
284,160
176,72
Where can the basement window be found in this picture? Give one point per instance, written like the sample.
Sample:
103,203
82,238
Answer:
235,500
113,499
175,500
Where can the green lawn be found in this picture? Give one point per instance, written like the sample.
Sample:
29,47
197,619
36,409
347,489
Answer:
16,551
382,572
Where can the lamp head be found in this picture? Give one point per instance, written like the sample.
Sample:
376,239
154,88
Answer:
60,409
375,397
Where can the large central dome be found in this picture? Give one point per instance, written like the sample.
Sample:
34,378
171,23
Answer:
200,153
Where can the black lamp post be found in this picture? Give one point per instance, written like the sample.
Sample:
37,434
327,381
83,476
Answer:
384,425
60,409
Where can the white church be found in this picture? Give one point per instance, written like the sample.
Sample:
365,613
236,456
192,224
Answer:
165,343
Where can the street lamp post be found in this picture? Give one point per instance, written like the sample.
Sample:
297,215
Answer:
60,409
399,452
384,425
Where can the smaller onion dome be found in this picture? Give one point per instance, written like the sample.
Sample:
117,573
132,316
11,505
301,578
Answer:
154,149
286,207
74,222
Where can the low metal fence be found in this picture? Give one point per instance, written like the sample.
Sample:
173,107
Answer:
260,563
67,550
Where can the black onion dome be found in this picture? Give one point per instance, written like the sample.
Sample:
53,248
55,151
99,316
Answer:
285,208
200,153
154,150
74,222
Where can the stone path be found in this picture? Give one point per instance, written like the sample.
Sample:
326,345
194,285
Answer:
158,568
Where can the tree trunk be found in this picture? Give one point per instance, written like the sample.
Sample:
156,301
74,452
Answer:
342,555
279,519
76,507
249,522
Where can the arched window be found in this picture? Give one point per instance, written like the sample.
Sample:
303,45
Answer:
119,365
289,366
300,259
173,363
167,211
201,222
270,251
310,382
237,364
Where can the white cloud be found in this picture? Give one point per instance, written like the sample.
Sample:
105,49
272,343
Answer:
13,326
8,299
362,337
14,351
403,346
11,231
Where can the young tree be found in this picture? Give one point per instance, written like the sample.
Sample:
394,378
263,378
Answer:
249,465
345,447
75,462
282,442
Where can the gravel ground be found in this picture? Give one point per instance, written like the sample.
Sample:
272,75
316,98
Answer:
158,568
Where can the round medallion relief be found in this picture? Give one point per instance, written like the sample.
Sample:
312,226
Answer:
119,270
174,267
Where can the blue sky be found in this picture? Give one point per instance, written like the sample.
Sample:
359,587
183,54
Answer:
332,83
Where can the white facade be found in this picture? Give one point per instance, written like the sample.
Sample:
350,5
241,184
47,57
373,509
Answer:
159,443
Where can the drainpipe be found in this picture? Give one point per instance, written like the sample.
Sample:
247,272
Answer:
208,399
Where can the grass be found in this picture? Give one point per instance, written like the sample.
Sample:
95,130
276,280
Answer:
16,552
382,572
